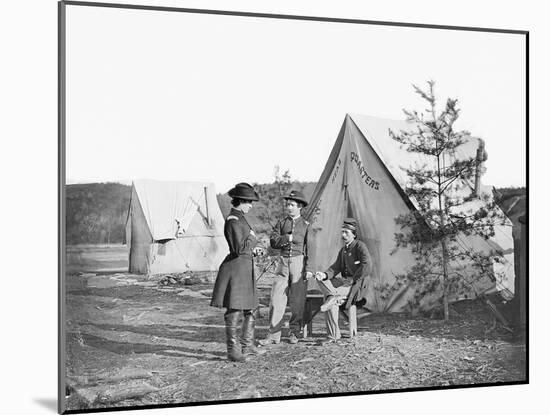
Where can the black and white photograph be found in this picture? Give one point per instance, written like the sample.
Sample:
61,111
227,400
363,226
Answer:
233,206
262,206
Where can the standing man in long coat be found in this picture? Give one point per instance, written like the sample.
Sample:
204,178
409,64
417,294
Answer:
235,286
292,237
354,264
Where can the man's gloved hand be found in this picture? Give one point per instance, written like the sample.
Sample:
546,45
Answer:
309,275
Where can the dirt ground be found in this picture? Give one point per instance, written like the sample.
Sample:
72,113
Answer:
133,341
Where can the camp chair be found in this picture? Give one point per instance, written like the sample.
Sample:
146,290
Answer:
314,301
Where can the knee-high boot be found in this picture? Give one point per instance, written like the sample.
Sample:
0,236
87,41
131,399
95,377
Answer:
247,338
233,345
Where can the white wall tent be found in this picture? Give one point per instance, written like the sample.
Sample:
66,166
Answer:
174,227
363,178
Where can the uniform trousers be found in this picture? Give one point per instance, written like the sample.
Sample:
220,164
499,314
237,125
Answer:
288,287
331,316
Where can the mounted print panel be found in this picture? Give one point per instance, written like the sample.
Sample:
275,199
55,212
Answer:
262,207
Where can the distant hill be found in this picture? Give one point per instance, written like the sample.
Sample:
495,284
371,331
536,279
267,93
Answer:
97,212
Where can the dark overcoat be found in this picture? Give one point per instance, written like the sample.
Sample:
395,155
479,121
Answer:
235,285
353,261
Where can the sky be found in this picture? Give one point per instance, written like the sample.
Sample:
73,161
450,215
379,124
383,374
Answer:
224,99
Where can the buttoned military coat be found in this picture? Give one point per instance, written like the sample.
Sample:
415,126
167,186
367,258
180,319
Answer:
302,241
353,262
235,285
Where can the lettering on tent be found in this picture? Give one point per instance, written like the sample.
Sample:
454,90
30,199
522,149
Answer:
369,181
338,163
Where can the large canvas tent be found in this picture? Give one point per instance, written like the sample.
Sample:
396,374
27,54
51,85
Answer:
364,178
174,227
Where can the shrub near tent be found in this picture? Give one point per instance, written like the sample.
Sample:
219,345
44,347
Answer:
364,178
174,227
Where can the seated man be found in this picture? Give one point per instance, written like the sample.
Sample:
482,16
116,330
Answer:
354,264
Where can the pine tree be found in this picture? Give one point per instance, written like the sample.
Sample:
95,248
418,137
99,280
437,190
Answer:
448,200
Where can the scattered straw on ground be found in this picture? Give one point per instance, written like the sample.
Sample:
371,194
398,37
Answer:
134,343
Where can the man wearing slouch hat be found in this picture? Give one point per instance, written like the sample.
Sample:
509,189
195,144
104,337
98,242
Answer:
292,237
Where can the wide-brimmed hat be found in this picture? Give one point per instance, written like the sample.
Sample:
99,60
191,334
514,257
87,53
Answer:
350,223
297,196
244,191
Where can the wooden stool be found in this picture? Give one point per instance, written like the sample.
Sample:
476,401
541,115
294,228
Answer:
314,301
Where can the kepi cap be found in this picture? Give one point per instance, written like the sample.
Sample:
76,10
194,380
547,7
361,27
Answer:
350,223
